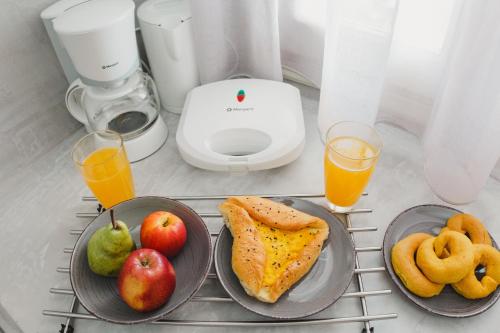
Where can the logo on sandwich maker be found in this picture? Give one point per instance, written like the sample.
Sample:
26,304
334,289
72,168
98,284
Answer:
241,95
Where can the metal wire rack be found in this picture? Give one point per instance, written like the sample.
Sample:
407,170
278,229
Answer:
361,293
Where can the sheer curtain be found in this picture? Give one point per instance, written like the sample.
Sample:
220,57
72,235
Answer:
291,34
357,45
236,39
302,38
422,35
462,140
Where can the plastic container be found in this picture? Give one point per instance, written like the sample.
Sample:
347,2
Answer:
166,30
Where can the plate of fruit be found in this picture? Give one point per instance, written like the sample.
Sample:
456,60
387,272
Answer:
141,260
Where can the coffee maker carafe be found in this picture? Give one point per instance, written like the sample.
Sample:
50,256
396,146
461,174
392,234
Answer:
112,92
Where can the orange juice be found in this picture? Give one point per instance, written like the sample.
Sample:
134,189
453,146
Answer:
107,173
349,163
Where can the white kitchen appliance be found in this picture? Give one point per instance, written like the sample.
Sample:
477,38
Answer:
241,125
99,37
166,31
48,15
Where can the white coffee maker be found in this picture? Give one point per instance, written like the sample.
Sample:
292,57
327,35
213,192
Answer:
113,92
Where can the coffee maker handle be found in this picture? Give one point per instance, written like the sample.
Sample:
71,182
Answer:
73,101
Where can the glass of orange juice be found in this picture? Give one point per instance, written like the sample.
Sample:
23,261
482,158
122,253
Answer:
351,152
103,162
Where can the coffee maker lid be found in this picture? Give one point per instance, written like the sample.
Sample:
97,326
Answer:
166,14
92,15
58,8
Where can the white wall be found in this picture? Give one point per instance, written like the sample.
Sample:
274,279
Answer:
32,86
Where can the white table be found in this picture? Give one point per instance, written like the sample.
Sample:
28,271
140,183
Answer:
39,206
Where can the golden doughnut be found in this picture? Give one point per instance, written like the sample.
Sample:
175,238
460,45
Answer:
403,261
466,223
470,287
451,269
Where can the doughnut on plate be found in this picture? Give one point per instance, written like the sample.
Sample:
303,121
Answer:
430,219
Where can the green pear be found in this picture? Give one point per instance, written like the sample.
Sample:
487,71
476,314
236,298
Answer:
108,248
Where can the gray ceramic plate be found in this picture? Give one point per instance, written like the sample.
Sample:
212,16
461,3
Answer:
99,295
321,287
430,219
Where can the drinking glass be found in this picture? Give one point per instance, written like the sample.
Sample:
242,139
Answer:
102,160
351,152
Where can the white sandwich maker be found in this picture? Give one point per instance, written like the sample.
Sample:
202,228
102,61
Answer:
241,125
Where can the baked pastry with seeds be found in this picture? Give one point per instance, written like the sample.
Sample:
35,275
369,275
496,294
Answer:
274,245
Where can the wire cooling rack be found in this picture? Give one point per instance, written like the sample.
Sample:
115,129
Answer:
364,317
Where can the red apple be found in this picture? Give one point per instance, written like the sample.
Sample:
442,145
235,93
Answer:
163,231
146,280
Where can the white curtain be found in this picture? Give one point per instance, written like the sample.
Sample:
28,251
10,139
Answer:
236,38
422,34
357,45
462,141
408,72
302,37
